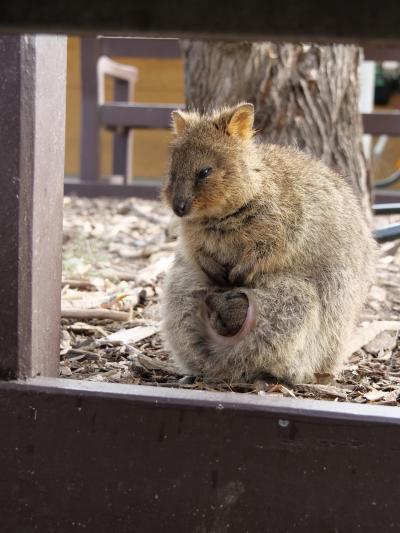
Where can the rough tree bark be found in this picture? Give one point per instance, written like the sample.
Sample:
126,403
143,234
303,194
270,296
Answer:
304,95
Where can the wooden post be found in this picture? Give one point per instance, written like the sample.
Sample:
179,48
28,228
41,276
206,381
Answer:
32,111
89,144
122,138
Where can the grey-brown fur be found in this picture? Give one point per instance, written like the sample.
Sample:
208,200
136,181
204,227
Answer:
272,229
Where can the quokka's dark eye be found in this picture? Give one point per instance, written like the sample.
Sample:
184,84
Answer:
203,173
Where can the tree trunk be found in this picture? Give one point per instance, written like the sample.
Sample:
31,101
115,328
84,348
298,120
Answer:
304,95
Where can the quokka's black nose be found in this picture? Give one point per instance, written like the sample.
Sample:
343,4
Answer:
180,208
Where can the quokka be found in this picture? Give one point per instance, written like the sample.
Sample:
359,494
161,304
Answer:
274,257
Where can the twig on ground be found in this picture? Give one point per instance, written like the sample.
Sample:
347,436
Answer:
151,249
153,363
151,218
83,284
324,390
85,314
121,275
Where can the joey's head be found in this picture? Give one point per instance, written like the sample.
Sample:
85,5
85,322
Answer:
210,173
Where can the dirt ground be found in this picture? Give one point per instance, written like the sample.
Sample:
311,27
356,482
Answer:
116,253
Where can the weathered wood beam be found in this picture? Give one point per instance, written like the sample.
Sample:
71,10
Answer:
137,115
92,457
382,123
137,47
32,111
293,20
140,188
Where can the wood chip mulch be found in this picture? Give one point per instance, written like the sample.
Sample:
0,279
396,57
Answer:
116,253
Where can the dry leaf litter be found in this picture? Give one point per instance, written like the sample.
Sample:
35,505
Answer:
116,253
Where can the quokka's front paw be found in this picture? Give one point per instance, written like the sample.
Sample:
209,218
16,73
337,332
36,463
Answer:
227,311
236,276
241,275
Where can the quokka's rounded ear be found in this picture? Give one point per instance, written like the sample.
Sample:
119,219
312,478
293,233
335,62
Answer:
178,122
240,122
